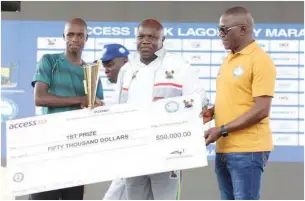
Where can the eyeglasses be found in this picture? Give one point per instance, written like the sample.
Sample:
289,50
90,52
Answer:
226,30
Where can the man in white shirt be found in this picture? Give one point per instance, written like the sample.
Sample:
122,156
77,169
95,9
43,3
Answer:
150,75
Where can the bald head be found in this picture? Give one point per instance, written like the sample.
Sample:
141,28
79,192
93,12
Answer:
152,23
76,21
240,15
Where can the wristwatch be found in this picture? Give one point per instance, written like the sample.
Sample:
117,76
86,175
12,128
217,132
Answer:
223,131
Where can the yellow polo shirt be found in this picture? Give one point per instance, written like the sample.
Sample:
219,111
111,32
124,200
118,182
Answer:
244,75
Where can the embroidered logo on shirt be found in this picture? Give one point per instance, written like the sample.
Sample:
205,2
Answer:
188,104
238,71
169,74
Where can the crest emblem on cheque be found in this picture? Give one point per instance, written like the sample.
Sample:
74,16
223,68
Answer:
18,177
238,71
169,74
171,106
188,103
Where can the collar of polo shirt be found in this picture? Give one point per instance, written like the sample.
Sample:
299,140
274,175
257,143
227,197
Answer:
249,48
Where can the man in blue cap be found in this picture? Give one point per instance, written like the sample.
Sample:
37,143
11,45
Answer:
114,56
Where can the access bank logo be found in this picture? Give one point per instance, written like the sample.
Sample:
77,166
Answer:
27,124
50,43
108,31
286,85
196,58
285,139
284,112
285,59
285,99
289,72
196,44
284,46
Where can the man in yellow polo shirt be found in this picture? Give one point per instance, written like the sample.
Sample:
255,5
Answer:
244,91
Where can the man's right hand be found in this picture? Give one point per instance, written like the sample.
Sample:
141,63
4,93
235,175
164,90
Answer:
83,102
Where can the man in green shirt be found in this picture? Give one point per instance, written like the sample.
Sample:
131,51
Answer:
58,84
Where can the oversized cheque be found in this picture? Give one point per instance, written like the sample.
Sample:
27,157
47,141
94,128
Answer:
88,146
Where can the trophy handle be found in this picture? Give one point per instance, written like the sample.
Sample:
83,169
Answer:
98,78
85,87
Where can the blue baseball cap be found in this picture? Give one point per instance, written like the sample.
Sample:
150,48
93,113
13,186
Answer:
112,51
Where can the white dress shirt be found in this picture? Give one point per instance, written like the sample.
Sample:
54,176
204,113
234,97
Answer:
139,83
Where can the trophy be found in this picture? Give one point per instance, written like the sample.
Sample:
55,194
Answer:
91,75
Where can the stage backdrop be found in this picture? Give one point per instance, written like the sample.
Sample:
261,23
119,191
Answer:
24,43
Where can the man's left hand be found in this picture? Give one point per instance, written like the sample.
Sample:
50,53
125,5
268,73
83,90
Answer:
98,103
212,135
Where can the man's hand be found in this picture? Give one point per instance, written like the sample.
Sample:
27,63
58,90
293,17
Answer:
98,103
212,135
83,102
